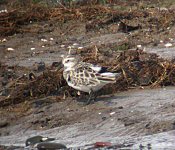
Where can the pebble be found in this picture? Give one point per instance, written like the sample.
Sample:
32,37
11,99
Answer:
56,64
39,66
168,45
32,48
51,39
80,47
3,123
43,40
10,49
75,44
139,46
62,46
4,40
51,146
102,144
112,113
4,11
37,139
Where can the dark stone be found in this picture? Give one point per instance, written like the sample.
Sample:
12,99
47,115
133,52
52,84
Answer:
32,76
129,122
4,82
5,92
103,118
41,66
120,107
3,123
37,139
50,146
56,64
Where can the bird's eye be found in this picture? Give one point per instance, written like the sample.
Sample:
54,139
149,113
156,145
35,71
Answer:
67,61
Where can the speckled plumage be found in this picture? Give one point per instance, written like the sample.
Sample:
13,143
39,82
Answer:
84,76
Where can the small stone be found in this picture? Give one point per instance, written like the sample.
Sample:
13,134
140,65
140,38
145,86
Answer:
120,107
32,48
37,139
112,113
56,64
3,123
62,46
102,144
129,122
39,66
51,39
141,87
139,46
78,93
4,40
32,76
103,118
80,48
43,40
168,45
75,44
10,49
5,92
49,145
4,82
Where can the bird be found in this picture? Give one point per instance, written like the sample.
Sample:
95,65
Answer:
86,77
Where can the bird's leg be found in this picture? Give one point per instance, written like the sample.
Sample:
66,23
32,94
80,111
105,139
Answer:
91,98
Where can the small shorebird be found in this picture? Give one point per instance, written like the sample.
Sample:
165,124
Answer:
86,77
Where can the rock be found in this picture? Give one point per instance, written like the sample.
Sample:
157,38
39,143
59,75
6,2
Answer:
50,146
37,139
39,66
102,144
3,123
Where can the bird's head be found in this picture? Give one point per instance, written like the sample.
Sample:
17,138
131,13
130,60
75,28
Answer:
69,61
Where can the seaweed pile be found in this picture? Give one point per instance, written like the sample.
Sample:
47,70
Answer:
95,16
14,20
138,68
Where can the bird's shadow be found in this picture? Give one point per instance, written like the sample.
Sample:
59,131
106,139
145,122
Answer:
109,98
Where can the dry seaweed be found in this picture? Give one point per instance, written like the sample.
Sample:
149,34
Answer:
96,16
12,21
138,68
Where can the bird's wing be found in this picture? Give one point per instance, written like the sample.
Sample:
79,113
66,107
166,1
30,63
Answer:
84,75
98,69
94,75
103,75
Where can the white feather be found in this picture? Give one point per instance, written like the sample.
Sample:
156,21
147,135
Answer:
108,74
96,68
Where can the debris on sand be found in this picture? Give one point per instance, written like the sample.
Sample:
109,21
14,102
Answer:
152,20
138,68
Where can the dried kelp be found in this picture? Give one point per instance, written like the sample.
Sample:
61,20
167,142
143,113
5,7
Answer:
137,68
